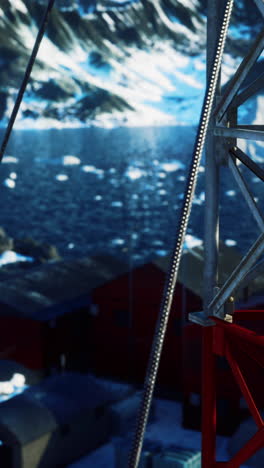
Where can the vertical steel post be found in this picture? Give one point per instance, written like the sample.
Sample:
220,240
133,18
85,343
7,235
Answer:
211,244
211,228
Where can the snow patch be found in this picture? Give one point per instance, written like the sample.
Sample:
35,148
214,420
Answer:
20,6
9,256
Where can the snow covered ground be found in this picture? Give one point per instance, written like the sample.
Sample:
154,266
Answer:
166,428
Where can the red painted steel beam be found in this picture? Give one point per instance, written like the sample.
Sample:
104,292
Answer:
209,394
239,332
208,400
244,388
249,449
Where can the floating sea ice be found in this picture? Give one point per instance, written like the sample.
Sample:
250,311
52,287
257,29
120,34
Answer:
161,252
191,241
70,160
134,235
117,241
172,166
230,193
230,242
157,242
117,204
71,245
114,182
134,173
10,183
181,178
9,159
93,170
135,196
162,192
98,197
61,177
112,170
201,169
162,175
13,175
199,200
155,162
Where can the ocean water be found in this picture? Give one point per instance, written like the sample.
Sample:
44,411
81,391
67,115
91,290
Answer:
116,191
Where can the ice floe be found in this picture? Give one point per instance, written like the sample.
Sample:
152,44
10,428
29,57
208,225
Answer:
191,241
89,169
230,193
69,160
134,173
10,183
117,241
61,177
117,204
9,160
172,166
161,252
230,242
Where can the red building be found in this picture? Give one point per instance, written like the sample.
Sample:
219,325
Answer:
45,314
127,309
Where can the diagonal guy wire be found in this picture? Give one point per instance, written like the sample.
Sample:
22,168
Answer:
161,326
26,78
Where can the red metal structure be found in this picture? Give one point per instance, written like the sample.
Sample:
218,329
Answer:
238,339
241,347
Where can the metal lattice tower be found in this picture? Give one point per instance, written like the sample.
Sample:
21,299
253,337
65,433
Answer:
219,129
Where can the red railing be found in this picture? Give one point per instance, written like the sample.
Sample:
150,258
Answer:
231,341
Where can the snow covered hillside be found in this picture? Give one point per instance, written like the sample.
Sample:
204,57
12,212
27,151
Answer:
113,61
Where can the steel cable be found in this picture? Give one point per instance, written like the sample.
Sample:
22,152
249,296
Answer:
161,326
27,74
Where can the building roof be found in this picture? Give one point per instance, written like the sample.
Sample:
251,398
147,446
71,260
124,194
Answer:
57,287
192,265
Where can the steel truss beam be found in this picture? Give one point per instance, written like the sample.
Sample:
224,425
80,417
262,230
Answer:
240,132
239,154
260,5
248,92
257,270
246,193
239,77
236,277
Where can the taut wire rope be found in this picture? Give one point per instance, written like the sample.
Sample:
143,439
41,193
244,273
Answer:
161,326
26,77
